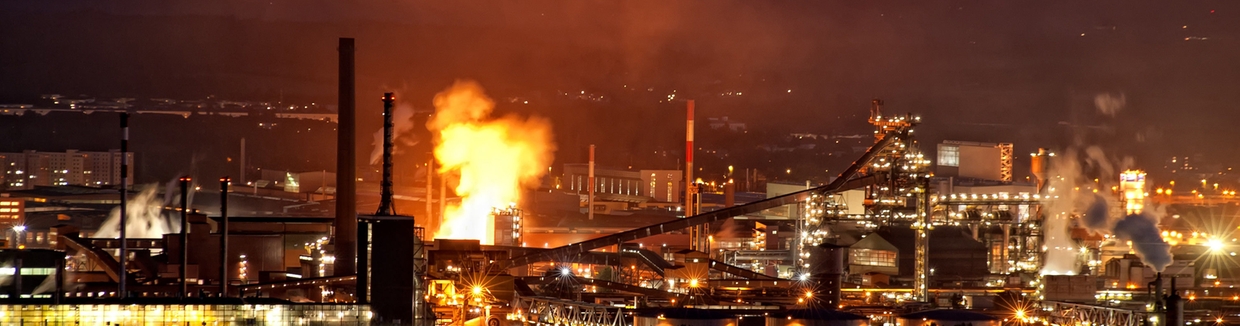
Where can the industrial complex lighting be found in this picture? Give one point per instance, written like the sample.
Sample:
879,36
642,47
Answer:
1215,245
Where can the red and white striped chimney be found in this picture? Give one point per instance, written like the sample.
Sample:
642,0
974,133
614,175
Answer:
689,162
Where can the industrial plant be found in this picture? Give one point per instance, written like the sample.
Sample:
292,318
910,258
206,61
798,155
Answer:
910,233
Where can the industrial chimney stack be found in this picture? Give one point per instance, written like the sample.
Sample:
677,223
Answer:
346,181
386,207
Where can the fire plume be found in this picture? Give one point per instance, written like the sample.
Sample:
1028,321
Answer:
494,158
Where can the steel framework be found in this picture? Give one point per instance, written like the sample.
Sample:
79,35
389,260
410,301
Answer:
1005,162
1063,313
552,311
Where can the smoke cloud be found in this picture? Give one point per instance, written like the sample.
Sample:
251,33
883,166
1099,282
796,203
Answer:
1142,230
1095,218
1077,178
1058,207
146,217
402,132
1108,104
495,159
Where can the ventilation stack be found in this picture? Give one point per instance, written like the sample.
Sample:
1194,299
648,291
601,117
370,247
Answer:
391,255
386,207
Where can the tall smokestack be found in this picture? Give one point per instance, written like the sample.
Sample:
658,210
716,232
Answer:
695,233
184,235
124,254
443,201
430,181
689,162
590,190
241,177
224,236
386,207
346,181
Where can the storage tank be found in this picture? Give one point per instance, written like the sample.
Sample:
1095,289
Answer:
816,317
683,317
945,317
827,270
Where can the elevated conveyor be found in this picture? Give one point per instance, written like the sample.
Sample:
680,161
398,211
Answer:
105,261
845,181
720,266
603,284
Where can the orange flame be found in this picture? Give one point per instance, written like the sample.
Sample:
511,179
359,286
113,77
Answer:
494,158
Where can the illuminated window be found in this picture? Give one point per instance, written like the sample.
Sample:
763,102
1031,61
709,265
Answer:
670,193
949,155
652,184
873,257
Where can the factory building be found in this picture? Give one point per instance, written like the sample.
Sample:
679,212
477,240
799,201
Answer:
955,258
30,168
12,211
612,184
314,184
964,159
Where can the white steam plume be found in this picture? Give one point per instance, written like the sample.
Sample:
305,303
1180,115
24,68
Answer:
146,217
1058,207
1108,104
402,132
1074,195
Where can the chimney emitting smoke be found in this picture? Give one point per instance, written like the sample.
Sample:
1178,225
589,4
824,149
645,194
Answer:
386,206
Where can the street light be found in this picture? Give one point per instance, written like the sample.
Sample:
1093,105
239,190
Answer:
17,230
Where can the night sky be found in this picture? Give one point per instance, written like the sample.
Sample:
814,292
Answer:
1026,72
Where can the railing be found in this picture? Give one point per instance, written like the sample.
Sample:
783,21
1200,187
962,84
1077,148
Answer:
544,310
1064,313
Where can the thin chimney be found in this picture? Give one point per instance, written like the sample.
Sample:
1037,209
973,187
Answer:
184,235
590,191
124,253
224,236
241,177
696,232
386,206
430,181
689,162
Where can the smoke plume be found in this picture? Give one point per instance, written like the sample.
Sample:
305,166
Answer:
495,158
1108,104
146,217
402,132
1142,230
1077,177
1058,206
1095,218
